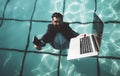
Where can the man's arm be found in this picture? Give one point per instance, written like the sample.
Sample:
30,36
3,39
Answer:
49,35
70,31
44,39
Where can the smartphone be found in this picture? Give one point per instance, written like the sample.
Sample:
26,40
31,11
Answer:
36,41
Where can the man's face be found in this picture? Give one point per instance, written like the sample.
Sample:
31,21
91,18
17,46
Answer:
56,21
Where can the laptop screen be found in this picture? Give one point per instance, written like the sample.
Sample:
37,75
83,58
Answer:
98,26
97,29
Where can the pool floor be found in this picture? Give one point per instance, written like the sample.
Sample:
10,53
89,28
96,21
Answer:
23,19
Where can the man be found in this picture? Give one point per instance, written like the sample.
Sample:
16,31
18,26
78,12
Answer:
58,27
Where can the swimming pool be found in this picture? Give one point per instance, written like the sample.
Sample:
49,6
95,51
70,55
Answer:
21,20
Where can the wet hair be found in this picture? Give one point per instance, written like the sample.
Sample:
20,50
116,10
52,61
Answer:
56,14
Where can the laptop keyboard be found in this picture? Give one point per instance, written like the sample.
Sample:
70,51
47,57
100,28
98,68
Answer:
85,45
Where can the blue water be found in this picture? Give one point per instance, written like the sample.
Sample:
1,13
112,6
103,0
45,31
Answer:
21,20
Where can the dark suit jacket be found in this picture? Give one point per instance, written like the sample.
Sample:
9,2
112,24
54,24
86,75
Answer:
66,31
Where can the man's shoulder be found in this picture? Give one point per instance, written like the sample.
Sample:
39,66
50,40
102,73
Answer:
50,26
65,23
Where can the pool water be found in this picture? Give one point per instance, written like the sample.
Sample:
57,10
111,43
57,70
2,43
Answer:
23,19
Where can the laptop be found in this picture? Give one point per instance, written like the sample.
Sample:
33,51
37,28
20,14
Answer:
89,45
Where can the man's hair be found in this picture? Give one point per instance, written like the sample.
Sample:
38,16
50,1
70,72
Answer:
56,14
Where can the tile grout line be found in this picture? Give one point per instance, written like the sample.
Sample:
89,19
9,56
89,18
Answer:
98,66
95,6
4,13
46,21
28,40
60,51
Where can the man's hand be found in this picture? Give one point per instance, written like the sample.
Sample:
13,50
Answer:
37,47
